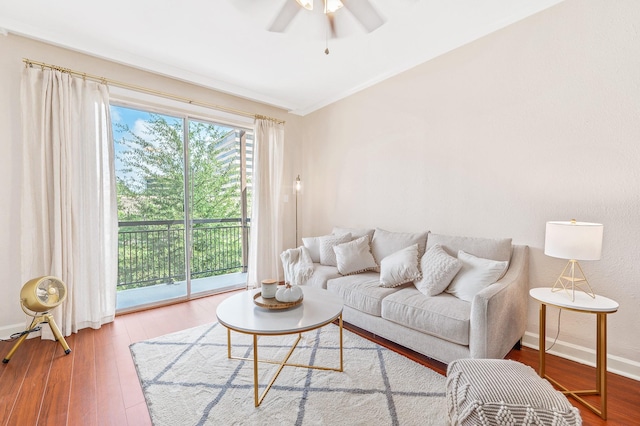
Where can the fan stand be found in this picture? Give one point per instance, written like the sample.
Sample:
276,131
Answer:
39,319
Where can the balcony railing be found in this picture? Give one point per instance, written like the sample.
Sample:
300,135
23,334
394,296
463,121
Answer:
153,252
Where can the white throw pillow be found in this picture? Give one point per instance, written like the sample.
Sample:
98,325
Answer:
313,245
476,274
327,255
355,256
400,267
438,269
385,243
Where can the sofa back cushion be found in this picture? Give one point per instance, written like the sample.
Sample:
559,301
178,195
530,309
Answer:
385,243
487,248
355,232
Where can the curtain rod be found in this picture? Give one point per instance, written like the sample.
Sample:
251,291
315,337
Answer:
108,81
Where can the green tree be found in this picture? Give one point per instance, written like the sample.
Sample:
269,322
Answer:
151,183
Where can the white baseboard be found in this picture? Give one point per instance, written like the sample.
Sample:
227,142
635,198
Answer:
8,330
615,364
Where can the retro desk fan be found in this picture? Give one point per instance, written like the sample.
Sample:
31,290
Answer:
37,297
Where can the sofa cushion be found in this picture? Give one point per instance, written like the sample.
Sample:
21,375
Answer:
443,316
438,269
400,267
354,256
313,245
385,243
355,232
361,291
327,242
321,274
495,249
476,274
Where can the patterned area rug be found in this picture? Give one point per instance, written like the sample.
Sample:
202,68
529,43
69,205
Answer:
187,379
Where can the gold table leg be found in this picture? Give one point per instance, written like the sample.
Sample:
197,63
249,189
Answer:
281,364
543,338
601,365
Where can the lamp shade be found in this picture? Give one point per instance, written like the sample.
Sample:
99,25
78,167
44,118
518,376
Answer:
573,240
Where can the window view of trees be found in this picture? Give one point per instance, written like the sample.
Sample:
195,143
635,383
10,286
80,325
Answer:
152,154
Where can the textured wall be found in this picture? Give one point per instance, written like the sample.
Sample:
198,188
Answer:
539,121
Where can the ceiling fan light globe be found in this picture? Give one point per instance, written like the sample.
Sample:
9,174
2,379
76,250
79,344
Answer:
331,6
307,4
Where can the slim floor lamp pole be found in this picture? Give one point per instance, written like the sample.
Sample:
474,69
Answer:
297,186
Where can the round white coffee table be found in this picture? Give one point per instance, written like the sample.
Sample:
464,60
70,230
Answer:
239,313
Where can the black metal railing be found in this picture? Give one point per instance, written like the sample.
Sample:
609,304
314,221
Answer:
153,252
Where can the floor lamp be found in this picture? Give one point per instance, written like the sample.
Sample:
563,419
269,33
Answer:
297,188
573,241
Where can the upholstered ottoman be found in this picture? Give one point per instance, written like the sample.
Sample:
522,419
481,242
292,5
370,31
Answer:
504,392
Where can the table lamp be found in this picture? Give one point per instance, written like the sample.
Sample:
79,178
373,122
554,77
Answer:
574,241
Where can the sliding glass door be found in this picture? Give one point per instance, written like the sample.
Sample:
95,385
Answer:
182,206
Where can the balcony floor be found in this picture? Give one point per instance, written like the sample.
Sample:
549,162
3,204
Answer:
147,296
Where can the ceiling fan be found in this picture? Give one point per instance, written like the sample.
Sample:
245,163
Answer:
362,10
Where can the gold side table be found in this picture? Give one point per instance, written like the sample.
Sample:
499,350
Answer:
600,306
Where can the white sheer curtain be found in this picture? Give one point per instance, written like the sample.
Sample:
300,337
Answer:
69,209
266,214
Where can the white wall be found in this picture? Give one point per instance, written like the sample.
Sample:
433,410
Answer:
539,121
13,49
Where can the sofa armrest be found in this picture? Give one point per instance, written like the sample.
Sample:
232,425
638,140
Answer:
499,312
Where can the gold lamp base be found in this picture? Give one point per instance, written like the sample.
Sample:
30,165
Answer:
39,319
569,281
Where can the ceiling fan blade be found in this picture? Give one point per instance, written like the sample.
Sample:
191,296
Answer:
289,11
365,13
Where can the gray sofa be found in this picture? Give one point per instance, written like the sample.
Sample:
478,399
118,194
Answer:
443,327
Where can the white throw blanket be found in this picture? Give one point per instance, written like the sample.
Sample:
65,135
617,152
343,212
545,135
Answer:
297,265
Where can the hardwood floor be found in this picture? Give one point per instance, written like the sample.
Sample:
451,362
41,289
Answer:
96,384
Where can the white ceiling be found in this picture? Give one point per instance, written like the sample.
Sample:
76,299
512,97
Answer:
224,44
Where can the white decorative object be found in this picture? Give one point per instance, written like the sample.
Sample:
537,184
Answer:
400,267
288,293
297,265
354,256
438,269
313,245
476,274
268,288
327,255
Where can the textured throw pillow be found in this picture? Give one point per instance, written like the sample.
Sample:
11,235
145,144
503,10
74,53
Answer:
313,245
438,269
327,255
400,267
476,274
385,243
355,256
